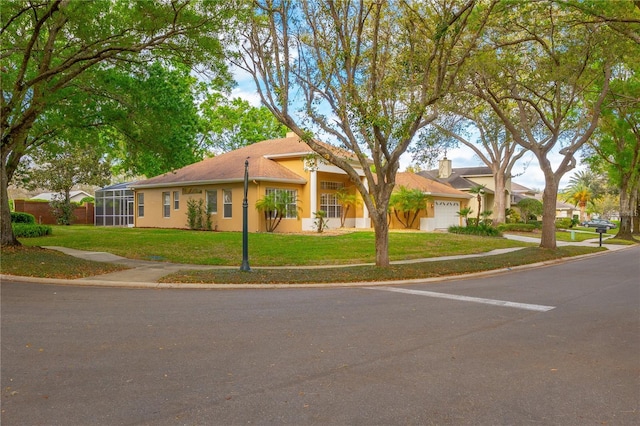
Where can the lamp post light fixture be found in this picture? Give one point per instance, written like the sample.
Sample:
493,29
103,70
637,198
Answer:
245,233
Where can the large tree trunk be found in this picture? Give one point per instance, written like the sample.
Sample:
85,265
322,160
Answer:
549,196
627,206
499,201
636,215
381,228
6,232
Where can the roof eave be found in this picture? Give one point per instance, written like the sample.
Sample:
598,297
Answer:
217,182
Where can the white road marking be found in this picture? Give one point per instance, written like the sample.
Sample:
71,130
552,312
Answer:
527,306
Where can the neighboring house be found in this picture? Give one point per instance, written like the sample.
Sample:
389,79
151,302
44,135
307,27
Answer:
465,178
277,165
563,210
442,207
519,192
75,196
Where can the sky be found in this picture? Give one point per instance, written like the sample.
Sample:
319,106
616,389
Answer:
526,172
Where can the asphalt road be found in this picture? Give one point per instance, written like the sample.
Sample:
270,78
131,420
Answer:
567,352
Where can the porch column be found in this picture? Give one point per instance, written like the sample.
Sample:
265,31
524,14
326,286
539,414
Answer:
313,182
364,222
311,165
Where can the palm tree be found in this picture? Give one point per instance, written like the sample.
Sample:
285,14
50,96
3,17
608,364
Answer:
409,203
579,195
479,190
275,206
465,212
346,199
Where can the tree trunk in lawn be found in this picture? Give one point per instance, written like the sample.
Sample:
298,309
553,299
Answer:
549,196
6,232
381,228
499,201
7,238
636,216
627,205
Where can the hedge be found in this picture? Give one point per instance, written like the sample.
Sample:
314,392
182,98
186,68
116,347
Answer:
20,217
25,230
482,230
517,227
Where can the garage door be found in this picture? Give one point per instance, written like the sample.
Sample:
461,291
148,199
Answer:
446,213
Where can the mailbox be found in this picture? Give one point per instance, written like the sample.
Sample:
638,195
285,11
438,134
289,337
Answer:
600,230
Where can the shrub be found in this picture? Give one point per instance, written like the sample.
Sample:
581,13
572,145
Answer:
483,229
20,217
198,217
25,230
537,223
564,223
62,210
517,227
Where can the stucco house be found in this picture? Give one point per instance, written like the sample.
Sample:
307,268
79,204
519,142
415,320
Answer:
465,178
443,205
286,164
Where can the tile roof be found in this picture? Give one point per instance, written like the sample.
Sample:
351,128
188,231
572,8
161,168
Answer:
459,176
229,167
427,185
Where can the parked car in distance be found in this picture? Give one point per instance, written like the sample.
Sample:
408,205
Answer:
599,223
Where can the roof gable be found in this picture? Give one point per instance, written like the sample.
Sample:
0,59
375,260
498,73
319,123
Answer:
427,185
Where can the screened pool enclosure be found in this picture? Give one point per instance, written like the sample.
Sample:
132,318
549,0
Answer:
114,206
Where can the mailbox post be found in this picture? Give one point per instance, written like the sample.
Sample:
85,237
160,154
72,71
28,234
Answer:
601,230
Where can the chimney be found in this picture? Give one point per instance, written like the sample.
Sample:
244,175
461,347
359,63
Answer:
444,171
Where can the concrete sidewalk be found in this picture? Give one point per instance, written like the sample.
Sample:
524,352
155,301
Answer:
150,272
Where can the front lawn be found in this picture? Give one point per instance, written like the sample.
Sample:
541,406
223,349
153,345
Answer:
37,262
265,249
420,270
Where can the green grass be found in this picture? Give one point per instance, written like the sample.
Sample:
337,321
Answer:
270,250
265,249
371,273
37,262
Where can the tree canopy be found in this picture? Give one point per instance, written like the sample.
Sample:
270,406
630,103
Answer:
365,74
51,49
544,68
232,124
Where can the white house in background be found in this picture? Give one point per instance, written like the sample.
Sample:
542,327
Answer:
75,196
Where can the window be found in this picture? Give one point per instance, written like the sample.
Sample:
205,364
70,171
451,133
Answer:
141,204
331,185
329,204
212,202
291,198
226,200
176,200
166,204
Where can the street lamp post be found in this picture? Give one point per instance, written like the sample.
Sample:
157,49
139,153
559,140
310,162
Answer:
245,233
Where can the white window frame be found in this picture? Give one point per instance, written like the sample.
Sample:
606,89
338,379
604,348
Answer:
227,203
208,194
329,204
176,200
166,204
292,208
140,204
